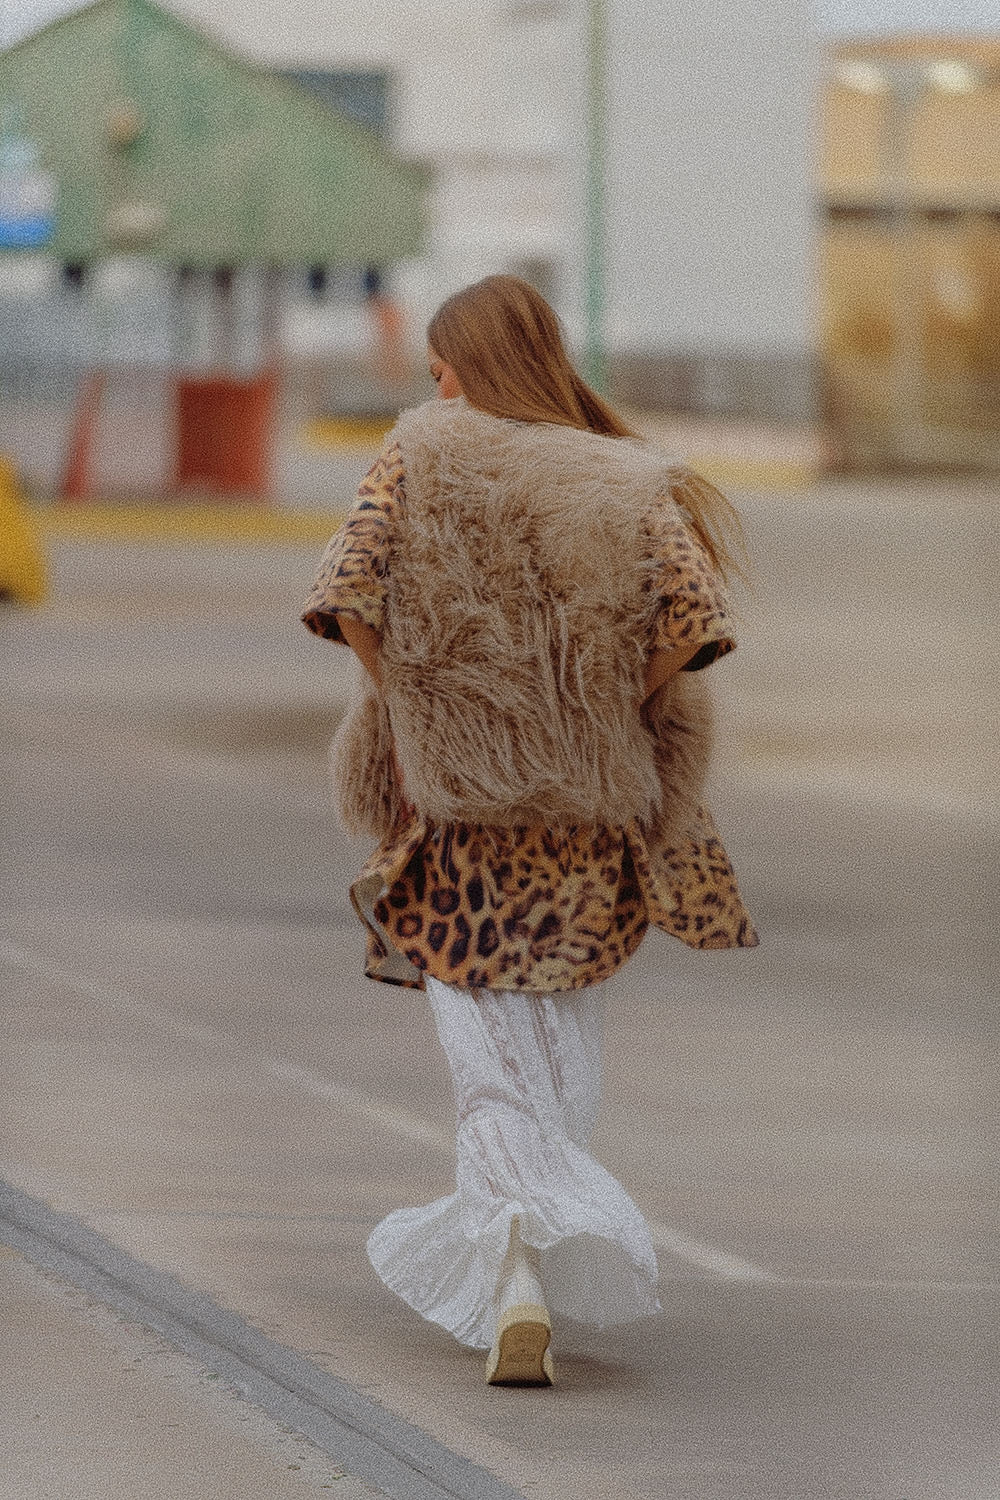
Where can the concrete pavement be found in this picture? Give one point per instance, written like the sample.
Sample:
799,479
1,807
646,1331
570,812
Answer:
194,1069
91,1406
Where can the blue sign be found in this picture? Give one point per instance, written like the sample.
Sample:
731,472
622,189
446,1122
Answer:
27,196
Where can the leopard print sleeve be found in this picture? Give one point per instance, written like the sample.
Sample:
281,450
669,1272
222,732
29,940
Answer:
353,573
692,605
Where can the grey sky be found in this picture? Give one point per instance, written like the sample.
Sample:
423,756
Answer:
836,16
954,16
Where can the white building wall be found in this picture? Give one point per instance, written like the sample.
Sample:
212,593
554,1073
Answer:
710,216
711,219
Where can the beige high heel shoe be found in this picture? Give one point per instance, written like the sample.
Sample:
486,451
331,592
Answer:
520,1353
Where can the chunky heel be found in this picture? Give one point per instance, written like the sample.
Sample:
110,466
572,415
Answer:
520,1353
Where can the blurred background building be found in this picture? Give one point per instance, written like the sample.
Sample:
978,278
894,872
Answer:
736,222
910,272
161,202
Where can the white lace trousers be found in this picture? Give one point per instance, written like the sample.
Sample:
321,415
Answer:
527,1075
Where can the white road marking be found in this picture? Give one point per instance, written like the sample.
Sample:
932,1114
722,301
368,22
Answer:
706,1257
105,994
861,784
832,1284
398,1121
717,1264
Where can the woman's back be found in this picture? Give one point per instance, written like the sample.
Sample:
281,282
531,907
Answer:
518,620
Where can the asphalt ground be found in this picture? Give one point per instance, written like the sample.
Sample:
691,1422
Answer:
206,1108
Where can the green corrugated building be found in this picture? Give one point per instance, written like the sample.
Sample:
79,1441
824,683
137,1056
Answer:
158,140
125,131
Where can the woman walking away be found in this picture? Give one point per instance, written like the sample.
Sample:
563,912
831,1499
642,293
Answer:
534,593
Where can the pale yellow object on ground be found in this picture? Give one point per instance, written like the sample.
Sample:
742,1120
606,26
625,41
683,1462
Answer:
22,564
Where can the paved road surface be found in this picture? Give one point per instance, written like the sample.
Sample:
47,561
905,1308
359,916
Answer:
193,1069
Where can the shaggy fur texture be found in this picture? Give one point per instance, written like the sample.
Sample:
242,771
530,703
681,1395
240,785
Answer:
365,786
514,646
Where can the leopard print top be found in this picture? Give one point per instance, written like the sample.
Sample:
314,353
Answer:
531,908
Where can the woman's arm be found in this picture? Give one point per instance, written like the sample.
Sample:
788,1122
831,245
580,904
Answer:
364,642
661,666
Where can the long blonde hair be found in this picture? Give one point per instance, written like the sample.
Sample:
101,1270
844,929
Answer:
504,343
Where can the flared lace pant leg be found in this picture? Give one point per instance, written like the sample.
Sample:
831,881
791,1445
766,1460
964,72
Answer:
527,1076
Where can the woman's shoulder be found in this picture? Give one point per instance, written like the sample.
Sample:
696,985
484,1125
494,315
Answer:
690,491
679,507
382,488
384,477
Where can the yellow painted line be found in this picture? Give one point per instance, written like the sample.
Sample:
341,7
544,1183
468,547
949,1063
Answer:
249,524
186,523
731,473
735,470
346,432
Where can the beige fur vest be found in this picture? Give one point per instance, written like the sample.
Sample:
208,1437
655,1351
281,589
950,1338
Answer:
514,646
